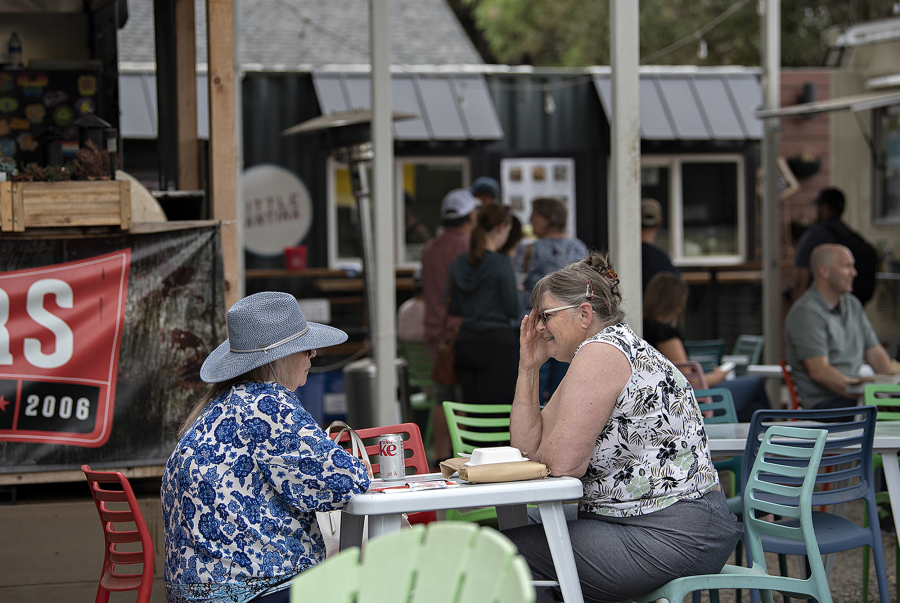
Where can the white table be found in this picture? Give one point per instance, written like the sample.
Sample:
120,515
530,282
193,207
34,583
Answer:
729,439
510,498
766,371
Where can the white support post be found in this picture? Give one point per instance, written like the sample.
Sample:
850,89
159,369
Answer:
771,227
383,326
625,171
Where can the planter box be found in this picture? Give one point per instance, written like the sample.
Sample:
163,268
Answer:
53,204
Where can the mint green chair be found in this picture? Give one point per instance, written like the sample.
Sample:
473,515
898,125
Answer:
786,455
418,367
460,419
885,397
447,562
708,352
750,346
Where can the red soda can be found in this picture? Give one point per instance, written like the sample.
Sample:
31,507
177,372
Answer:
390,448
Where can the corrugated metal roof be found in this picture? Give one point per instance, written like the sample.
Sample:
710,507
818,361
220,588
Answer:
137,99
693,106
450,106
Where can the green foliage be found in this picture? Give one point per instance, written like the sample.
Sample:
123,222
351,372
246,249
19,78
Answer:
576,32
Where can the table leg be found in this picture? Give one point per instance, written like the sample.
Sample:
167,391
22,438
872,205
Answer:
892,478
554,521
351,530
383,524
511,516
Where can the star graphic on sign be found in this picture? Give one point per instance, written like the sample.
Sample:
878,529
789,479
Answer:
4,403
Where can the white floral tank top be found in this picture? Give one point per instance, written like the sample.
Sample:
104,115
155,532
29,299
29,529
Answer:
653,452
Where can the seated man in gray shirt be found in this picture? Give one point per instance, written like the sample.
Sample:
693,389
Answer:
827,334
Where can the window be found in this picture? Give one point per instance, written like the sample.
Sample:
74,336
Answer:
886,167
703,200
420,184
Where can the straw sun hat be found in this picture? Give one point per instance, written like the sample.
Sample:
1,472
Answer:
261,328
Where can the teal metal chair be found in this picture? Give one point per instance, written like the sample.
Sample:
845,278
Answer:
750,346
845,476
887,399
781,483
460,419
418,366
447,562
708,352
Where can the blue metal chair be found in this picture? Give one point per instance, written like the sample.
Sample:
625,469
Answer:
847,476
780,482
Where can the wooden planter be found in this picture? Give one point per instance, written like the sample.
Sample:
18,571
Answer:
53,204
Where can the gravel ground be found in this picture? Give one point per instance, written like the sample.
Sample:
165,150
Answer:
846,575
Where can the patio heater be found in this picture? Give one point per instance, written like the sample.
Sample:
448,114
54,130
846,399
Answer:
348,134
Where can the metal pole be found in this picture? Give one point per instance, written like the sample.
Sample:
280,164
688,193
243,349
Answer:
625,173
383,327
771,256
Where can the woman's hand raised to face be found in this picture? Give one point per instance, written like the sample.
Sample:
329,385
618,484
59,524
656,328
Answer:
532,347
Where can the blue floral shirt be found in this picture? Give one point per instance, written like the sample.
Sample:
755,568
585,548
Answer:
240,493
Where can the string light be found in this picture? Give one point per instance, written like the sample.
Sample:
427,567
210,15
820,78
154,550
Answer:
549,103
702,50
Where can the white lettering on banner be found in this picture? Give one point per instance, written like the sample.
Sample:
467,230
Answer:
5,356
277,209
65,341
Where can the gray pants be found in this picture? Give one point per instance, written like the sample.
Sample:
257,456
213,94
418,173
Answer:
619,558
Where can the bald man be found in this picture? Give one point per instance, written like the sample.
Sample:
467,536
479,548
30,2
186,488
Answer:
827,334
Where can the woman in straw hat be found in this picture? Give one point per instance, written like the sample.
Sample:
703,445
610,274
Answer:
252,467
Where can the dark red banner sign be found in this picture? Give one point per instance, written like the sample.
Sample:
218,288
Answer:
60,332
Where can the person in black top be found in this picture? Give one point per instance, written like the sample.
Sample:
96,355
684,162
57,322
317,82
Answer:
653,258
664,303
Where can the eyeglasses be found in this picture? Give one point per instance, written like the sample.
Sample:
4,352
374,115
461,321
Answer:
546,314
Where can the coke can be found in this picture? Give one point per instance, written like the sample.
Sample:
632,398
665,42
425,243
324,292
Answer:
390,448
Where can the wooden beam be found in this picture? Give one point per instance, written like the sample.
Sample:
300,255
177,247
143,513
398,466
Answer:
186,91
222,137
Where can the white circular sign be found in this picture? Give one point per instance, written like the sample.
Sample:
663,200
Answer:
277,209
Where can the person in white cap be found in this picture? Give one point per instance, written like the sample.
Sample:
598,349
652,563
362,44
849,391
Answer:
653,258
251,469
458,215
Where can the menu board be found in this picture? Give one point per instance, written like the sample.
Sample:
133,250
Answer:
523,180
35,102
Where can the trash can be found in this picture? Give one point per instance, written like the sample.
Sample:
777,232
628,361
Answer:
359,385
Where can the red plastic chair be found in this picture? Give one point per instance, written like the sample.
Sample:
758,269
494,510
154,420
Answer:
112,517
792,390
413,451
693,372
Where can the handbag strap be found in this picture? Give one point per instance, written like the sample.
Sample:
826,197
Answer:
447,309
357,447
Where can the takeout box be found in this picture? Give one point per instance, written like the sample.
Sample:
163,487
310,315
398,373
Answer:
494,472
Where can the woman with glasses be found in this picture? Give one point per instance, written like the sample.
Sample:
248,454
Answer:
482,287
626,422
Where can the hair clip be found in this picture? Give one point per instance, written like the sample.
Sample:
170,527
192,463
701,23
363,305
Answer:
610,274
589,292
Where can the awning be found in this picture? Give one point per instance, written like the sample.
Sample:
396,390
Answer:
693,106
451,106
858,102
138,116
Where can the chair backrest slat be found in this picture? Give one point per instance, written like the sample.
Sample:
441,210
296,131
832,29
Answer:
460,416
413,447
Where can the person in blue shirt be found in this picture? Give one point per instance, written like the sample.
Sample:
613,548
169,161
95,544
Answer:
241,490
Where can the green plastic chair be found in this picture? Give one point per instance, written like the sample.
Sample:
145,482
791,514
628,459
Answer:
786,454
708,352
443,563
750,346
418,366
883,396
460,417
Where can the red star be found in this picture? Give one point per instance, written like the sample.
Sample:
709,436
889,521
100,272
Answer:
4,403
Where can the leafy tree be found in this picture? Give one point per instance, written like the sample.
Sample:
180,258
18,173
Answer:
576,32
